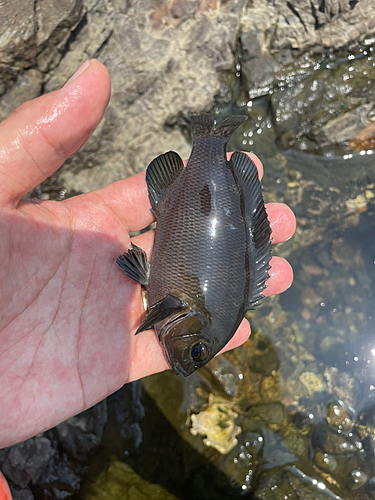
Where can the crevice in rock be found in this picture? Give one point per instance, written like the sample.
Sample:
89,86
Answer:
314,13
296,13
103,45
352,4
74,34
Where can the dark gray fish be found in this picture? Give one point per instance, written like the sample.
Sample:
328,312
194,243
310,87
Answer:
212,246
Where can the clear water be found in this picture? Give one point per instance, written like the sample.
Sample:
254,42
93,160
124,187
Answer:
298,399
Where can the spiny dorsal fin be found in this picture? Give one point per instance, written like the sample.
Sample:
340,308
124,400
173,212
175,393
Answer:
161,310
135,264
260,229
203,125
160,174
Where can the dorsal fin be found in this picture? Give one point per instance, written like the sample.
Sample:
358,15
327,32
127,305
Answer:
257,220
203,125
160,174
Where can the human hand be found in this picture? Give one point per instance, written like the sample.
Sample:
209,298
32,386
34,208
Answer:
68,313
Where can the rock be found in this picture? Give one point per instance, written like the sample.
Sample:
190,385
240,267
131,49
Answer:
81,435
257,66
216,423
365,139
357,479
345,128
54,16
28,86
26,462
56,21
329,441
340,416
302,24
163,76
120,482
18,40
24,494
159,78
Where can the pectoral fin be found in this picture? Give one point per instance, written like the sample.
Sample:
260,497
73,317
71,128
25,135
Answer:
259,226
135,264
160,174
161,310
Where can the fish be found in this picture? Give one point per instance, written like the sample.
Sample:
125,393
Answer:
212,248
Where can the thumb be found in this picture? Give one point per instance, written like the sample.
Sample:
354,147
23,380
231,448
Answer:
41,134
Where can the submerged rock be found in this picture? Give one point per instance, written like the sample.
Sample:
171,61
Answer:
120,482
217,424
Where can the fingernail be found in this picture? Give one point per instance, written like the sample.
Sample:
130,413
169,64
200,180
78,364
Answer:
79,72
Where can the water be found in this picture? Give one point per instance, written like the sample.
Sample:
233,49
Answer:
298,397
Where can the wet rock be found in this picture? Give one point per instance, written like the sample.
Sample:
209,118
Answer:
325,461
126,408
365,139
257,67
313,382
241,463
120,482
263,414
216,423
26,462
340,416
81,435
224,375
331,442
24,494
345,128
151,102
60,479
275,453
357,479
263,357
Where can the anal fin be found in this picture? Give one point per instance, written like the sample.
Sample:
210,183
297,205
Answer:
135,264
258,223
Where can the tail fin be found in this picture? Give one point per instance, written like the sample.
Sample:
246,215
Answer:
204,126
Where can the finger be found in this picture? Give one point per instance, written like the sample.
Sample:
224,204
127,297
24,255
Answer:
41,134
241,335
128,199
281,276
4,489
256,161
282,221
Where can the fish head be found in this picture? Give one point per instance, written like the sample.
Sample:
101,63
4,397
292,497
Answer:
187,341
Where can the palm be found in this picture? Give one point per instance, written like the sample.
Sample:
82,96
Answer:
68,312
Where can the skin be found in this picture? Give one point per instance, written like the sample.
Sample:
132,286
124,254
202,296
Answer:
68,313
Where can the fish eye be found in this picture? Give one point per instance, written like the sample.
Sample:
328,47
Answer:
199,351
